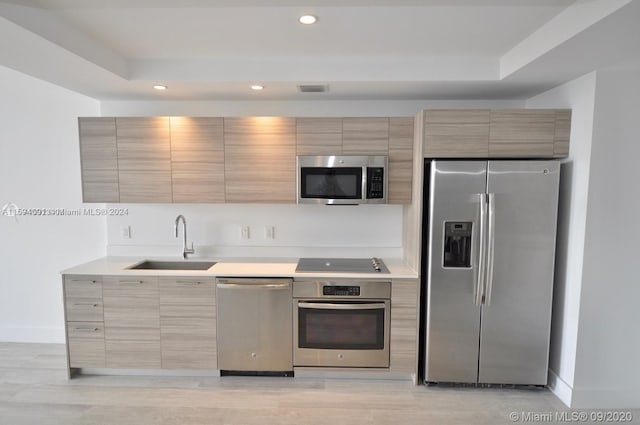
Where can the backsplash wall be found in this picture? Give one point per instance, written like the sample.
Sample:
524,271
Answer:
216,230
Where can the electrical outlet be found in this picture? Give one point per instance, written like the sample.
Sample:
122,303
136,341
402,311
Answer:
245,232
269,232
125,232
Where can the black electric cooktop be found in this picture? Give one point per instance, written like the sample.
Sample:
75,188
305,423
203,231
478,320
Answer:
341,265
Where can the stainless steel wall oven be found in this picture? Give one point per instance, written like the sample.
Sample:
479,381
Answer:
341,323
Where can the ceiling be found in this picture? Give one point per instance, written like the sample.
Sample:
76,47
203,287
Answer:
361,49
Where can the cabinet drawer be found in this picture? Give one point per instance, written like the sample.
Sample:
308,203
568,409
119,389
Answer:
187,291
83,286
86,344
84,310
85,330
132,288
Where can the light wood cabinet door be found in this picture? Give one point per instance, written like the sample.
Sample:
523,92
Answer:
319,136
562,133
80,286
260,159
404,326
144,159
400,160
522,133
456,133
365,136
99,159
131,322
84,309
197,159
188,323
85,342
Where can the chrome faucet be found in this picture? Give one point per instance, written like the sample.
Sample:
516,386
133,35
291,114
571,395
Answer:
185,251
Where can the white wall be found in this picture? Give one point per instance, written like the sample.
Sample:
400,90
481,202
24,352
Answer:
39,159
607,371
578,95
300,230
595,340
315,108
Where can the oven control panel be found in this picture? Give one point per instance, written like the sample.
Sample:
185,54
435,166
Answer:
349,291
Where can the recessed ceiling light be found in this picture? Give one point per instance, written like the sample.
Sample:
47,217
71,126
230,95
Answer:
257,87
308,19
160,87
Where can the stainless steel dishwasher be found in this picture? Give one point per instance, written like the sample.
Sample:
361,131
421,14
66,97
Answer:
254,326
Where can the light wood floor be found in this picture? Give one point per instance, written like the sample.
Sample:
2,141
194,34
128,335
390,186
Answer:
34,390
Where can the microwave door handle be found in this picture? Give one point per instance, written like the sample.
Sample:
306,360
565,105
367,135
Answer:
365,172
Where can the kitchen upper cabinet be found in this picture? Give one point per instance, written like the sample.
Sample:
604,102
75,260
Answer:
84,321
260,159
144,159
197,159
562,133
456,133
365,136
497,133
131,322
400,160
522,133
188,323
319,136
404,326
99,159
242,160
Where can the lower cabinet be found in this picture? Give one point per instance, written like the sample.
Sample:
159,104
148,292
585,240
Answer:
84,321
86,344
131,322
188,323
404,326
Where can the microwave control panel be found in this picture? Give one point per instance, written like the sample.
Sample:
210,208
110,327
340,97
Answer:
375,182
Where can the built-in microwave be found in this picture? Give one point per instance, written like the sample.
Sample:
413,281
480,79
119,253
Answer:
342,179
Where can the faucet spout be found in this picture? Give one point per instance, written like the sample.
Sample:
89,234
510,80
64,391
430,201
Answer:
185,250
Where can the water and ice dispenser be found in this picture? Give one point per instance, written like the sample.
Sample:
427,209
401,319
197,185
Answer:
457,244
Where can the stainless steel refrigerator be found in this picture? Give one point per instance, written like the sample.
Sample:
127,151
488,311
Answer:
489,248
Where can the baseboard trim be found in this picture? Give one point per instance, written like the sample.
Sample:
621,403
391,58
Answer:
560,388
606,398
31,334
593,398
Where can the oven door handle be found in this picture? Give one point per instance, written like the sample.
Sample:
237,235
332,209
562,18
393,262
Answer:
333,306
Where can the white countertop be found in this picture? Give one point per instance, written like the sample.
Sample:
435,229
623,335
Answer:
231,267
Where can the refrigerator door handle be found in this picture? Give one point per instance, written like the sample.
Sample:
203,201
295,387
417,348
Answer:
490,248
478,295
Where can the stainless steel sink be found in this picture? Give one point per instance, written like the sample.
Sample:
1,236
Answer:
172,265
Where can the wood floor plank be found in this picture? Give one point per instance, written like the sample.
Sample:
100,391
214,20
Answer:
34,390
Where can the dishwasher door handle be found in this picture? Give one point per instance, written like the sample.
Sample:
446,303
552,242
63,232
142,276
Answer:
274,286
